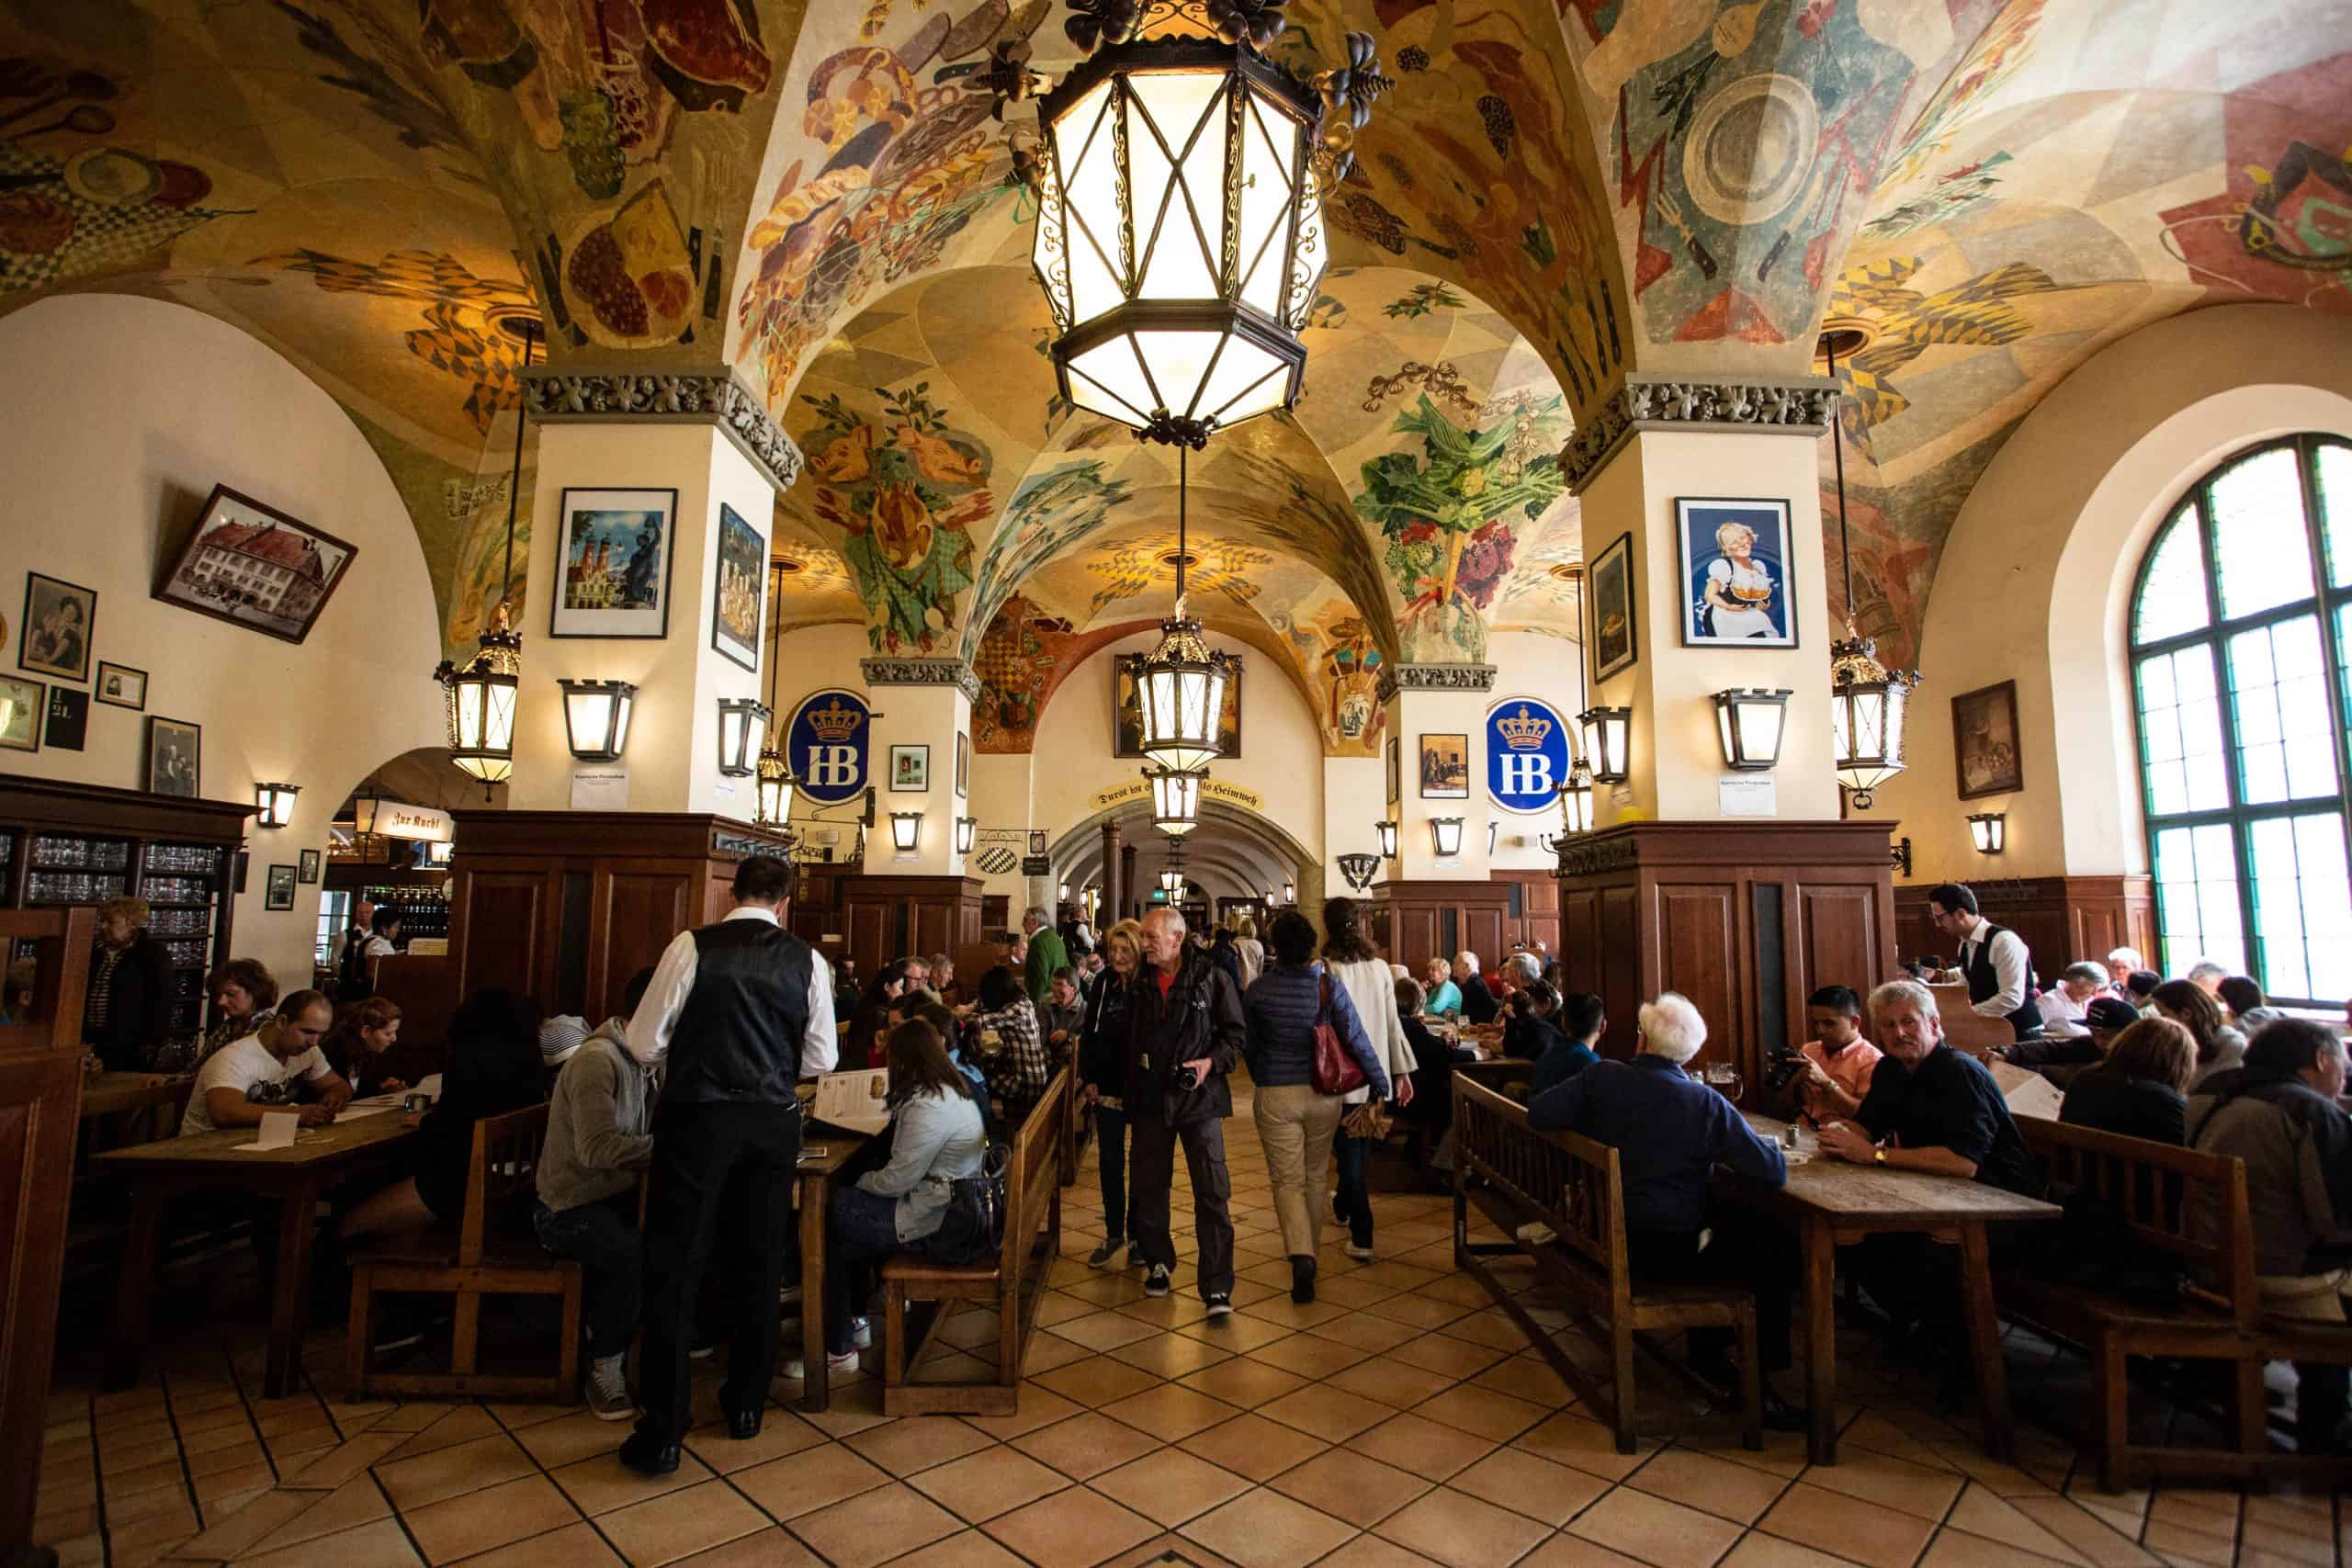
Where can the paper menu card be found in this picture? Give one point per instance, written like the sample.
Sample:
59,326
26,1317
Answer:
855,1100
278,1128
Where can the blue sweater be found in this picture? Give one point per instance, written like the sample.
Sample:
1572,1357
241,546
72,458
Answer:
1280,1010
1669,1132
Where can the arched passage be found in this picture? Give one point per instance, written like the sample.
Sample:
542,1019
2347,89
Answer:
1235,852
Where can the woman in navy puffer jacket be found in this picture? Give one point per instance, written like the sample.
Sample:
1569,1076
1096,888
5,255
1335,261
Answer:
1294,1122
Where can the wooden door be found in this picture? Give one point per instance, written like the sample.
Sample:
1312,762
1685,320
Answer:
40,1100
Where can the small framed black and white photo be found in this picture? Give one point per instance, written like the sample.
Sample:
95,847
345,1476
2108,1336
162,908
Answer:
910,769
175,756
121,686
278,892
312,860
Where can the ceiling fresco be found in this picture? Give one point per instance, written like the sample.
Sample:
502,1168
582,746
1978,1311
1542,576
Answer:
393,192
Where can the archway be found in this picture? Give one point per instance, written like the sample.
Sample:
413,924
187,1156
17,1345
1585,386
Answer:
1232,845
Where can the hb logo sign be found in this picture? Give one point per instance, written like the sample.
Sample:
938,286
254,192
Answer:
1527,755
828,744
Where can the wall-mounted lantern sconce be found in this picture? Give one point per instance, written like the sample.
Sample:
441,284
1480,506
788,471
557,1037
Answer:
965,827
1387,840
742,731
274,804
1445,837
905,828
1749,721
596,717
1608,743
1991,832
1359,869
1290,892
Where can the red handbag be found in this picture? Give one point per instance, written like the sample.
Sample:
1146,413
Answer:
1336,1068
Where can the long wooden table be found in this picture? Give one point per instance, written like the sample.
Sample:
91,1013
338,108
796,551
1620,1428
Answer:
1831,1204
321,1159
817,1203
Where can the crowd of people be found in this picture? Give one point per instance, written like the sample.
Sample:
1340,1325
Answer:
696,1088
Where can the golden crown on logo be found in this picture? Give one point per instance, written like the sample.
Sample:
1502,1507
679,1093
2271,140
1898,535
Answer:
1523,731
834,722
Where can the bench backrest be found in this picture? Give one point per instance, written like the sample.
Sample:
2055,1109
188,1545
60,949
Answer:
1032,1177
500,1175
1569,1182
2167,1197
1495,1072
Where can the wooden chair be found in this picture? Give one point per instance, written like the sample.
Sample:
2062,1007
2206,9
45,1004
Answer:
2179,1204
492,1252
1572,1186
1015,1280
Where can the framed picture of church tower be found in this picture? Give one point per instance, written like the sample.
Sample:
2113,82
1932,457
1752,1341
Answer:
613,552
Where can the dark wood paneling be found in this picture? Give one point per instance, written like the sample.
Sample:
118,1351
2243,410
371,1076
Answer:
895,916
497,935
1619,912
642,910
1539,909
2062,918
1428,919
1837,941
1700,951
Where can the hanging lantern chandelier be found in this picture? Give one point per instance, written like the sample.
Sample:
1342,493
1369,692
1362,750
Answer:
1175,800
1180,688
1868,702
481,691
777,781
1180,239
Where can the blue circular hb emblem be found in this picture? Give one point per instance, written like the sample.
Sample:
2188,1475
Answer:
826,745
1527,755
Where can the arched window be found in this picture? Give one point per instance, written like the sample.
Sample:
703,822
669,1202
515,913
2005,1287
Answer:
2240,644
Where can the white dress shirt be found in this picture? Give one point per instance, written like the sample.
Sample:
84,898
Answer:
2062,1015
2011,968
674,980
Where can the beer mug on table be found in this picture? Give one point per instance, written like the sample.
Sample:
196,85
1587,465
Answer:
1724,1079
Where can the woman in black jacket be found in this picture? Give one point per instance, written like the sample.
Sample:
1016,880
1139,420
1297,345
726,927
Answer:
2138,1089
1102,1076
128,1009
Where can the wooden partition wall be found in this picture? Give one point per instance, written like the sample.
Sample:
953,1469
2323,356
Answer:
567,905
1747,920
896,917
1414,921
2062,918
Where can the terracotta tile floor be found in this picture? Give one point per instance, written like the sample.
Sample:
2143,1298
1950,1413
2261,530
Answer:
1403,1421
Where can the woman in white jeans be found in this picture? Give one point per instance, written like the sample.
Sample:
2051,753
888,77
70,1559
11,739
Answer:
1350,959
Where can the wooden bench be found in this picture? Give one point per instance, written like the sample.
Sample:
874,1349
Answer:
915,1290
492,1252
2166,1198
1572,1186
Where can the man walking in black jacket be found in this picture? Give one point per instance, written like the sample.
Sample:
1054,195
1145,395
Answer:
740,1012
1186,1033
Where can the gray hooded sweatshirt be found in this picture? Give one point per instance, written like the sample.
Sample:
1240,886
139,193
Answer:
600,1122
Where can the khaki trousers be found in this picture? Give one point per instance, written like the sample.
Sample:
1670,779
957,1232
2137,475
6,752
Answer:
1296,1125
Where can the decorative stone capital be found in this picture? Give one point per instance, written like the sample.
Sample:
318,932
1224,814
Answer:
1395,678
922,672
1802,407
713,397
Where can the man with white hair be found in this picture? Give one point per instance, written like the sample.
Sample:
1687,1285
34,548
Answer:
1670,1133
2206,977
1185,1034
2120,964
2063,1005
1047,956
1478,1004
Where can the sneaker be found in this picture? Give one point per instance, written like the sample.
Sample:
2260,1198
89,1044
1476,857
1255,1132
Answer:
1156,1282
1220,1305
1361,1250
608,1397
861,1333
844,1362
1107,1254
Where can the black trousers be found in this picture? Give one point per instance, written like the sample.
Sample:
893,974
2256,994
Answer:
1152,1169
1111,1151
722,1177
1745,1254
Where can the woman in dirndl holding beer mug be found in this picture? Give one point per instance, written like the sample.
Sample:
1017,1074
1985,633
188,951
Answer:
1739,588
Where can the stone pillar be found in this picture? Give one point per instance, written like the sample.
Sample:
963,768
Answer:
1114,883
706,442
1130,894
1652,442
925,703
1438,700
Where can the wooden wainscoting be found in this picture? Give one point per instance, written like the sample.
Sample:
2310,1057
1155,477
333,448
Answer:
898,916
2062,918
1747,920
1414,921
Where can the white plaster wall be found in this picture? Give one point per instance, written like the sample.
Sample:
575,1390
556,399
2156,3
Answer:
2035,583
123,413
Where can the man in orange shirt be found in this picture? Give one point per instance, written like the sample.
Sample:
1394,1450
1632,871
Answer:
1838,1060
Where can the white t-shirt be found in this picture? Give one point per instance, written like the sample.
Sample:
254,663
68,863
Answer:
247,1065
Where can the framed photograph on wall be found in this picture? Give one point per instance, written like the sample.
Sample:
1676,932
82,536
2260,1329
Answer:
1611,635
175,756
1445,767
277,888
121,686
910,769
254,567
615,549
1737,585
22,703
60,619
1985,741
742,586
1126,710
311,861
1395,768
963,765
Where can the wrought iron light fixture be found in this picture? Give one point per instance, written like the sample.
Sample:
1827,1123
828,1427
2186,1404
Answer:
1180,688
1387,840
743,731
596,717
1290,893
1180,239
1608,735
1175,800
1171,883
777,782
1749,721
274,804
1359,869
481,691
1445,837
1990,830
1868,702
1493,829
905,828
965,827
1575,800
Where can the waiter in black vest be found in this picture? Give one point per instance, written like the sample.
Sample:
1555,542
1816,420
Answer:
736,1014
1992,958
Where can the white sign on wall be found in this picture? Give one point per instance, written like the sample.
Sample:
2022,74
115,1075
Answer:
1748,794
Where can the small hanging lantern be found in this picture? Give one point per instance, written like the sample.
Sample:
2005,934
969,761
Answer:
777,785
1868,706
1575,800
481,702
1175,801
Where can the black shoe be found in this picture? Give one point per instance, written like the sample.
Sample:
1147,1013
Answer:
1220,1305
1302,1277
744,1425
1106,1255
1156,1282
1779,1416
646,1456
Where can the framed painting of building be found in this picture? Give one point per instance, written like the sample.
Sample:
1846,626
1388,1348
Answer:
742,582
615,549
253,566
